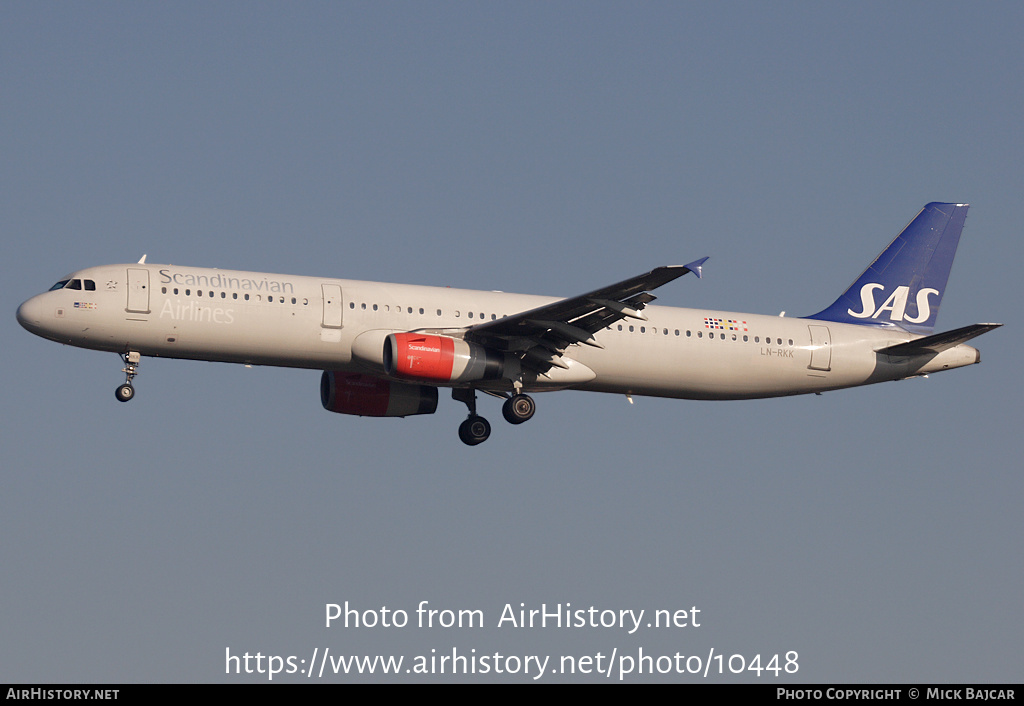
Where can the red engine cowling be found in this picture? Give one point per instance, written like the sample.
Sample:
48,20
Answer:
421,356
369,396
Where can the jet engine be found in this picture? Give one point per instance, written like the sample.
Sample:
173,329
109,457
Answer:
369,396
440,358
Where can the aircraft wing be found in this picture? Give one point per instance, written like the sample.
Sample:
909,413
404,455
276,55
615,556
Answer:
939,341
543,334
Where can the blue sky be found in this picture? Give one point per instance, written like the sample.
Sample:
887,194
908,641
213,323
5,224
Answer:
547,148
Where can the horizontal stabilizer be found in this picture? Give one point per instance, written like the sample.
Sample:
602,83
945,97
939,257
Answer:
939,341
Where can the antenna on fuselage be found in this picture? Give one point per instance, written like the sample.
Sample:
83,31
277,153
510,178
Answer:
142,260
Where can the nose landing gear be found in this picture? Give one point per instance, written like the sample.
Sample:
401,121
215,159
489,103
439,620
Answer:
125,391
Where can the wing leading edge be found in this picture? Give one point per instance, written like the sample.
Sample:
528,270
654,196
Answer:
541,335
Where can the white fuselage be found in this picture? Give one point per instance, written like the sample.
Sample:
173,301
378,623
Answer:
308,322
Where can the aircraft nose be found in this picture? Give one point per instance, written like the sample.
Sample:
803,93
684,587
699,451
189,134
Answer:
30,314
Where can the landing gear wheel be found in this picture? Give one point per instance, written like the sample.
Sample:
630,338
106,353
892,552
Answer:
518,409
125,391
474,430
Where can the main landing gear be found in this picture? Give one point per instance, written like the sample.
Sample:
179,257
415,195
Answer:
125,391
517,409
474,430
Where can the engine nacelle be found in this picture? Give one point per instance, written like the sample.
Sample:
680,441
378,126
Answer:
369,396
421,356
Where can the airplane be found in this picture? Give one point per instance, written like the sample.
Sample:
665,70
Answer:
386,349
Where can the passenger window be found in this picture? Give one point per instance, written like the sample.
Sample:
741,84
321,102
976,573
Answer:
471,314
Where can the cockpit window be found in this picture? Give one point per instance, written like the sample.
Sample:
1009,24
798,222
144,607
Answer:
59,285
90,285
75,284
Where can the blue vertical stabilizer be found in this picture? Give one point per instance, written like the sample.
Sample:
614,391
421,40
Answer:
904,285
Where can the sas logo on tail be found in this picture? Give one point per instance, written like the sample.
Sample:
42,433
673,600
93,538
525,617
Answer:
896,304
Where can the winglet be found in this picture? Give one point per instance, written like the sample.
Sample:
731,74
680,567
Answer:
695,266
142,260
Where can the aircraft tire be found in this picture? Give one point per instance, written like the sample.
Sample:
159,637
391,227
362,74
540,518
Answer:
474,430
124,392
518,409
